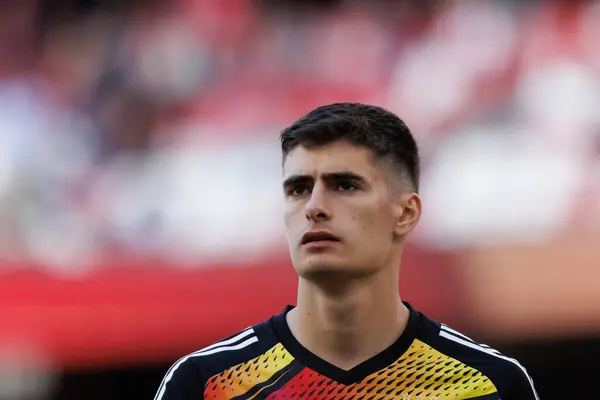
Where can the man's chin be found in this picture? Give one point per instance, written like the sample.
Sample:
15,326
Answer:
330,270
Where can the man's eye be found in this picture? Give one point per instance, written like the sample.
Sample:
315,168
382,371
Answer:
346,186
297,191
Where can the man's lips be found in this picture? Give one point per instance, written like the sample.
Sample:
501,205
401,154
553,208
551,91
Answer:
314,237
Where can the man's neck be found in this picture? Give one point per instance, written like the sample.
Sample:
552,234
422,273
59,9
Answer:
351,326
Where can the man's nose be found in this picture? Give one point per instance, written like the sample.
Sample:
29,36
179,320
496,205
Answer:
316,206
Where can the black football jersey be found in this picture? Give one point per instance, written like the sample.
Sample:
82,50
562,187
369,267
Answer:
430,361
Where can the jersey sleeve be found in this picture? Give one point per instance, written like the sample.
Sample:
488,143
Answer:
181,382
520,386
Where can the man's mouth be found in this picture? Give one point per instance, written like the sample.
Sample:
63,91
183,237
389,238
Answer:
318,237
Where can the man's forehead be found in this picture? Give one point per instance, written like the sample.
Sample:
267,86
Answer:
329,159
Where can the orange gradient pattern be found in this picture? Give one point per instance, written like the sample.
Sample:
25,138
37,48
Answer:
422,372
240,378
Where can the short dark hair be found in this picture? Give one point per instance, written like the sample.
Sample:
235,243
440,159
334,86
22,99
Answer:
373,127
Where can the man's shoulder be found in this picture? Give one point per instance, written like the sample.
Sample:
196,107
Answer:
469,351
190,373
236,349
505,372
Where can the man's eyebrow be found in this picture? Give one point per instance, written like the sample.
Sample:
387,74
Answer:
345,175
329,176
297,179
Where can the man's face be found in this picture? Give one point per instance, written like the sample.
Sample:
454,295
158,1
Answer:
338,190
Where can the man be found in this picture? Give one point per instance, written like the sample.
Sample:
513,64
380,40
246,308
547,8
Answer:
350,178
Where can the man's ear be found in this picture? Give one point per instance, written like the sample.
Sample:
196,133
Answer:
407,213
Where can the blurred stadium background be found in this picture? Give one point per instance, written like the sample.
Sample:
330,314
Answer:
139,175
